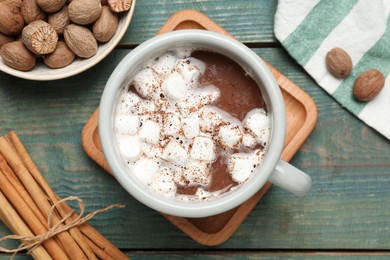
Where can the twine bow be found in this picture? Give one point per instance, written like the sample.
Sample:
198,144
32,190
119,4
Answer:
31,242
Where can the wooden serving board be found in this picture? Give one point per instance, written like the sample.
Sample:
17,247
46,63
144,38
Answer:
301,119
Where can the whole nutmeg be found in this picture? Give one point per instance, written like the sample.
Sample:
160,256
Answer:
11,19
51,6
17,56
339,63
84,11
80,40
105,26
118,6
59,20
31,11
62,56
39,37
368,85
5,39
16,3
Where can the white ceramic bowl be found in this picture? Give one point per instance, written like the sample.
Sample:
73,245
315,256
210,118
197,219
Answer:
42,72
280,173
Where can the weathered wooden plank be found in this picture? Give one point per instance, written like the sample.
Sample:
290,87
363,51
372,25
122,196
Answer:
249,21
348,207
243,255
254,256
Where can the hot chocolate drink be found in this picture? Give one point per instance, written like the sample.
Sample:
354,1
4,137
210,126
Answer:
191,125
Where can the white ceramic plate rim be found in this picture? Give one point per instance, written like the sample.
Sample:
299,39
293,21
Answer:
43,73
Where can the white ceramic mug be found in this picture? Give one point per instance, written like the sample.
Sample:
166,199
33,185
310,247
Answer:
273,169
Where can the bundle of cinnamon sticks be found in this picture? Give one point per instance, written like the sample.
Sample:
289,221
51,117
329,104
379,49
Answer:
26,200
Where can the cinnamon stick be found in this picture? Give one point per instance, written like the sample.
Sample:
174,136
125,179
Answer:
71,247
13,179
88,231
29,217
11,218
41,181
98,251
102,242
7,171
97,238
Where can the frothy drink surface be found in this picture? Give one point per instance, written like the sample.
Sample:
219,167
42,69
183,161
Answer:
191,125
239,93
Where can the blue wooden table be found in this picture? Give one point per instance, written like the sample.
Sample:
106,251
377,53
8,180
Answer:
346,215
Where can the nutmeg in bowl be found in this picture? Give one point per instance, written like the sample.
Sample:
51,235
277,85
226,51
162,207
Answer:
50,70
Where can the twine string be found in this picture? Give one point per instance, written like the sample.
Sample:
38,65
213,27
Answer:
29,243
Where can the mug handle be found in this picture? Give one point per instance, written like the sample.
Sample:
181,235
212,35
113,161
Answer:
291,179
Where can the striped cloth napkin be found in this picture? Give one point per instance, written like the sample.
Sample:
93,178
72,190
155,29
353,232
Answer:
309,29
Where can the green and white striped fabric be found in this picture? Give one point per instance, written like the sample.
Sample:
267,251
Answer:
309,29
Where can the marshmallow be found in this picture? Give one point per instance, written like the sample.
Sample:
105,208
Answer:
162,104
241,166
249,140
155,117
164,141
175,154
203,148
229,136
197,173
128,101
163,183
178,177
184,142
172,125
207,95
202,194
211,118
197,99
154,151
150,132
146,84
145,170
186,106
164,64
263,137
127,124
190,125
183,53
146,107
175,86
200,65
256,121
191,70
130,148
